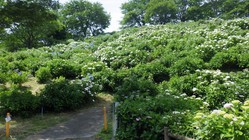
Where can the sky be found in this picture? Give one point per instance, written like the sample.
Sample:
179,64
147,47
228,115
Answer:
113,8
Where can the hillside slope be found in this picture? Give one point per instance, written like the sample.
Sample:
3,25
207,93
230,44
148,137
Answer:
162,75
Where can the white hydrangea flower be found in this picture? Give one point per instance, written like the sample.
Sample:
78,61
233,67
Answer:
194,89
228,105
242,123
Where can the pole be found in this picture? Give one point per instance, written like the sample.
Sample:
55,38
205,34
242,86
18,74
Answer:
166,134
8,126
105,119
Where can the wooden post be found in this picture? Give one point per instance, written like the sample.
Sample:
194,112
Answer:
105,119
166,134
7,126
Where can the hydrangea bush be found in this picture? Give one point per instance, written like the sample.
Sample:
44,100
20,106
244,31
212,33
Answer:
229,122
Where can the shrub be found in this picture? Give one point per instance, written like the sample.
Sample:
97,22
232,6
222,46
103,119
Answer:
60,95
92,68
157,71
18,77
3,78
17,65
244,60
105,79
19,101
229,122
133,87
145,118
186,66
214,87
241,23
225,61
183,84
63,95
3,65
60,67
43,74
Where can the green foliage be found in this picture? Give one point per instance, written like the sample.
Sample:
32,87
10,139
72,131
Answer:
3,65
132,87
186,66
60,67
18,77
106,79
231,59
19,102
214,87
134,11
3,78
230,122
160,11
29,24
145,118
63,95
83,18
43,74
155,70
165,70
142,12
92,68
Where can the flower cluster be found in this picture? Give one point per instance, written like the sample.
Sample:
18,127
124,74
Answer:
229,122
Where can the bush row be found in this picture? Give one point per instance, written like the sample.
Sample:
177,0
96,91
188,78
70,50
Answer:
58,96
145,118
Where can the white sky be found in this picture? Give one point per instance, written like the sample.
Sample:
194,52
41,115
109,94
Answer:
113,8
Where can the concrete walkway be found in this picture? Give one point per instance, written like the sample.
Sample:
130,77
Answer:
84,126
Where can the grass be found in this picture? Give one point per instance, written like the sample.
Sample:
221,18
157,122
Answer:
30,84
105,97
34,86
106,134
21,128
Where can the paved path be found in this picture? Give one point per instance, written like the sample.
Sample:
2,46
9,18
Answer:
84,126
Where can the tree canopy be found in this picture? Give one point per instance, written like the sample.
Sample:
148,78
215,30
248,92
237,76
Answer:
142,12
160,11
26,24
134,12
83,18
35,23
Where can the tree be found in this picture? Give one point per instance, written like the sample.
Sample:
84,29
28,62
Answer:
161,11
83,18
2,3
195,10
134,12
182,9
27,24
243,8
235,8
213,8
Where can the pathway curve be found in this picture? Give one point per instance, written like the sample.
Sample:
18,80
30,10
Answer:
83,126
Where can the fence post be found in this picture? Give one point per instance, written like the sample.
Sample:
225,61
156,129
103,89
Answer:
8,125
105,119
166,134
115,119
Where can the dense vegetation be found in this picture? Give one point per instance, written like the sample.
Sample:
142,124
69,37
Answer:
153,12
36,23
191,77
